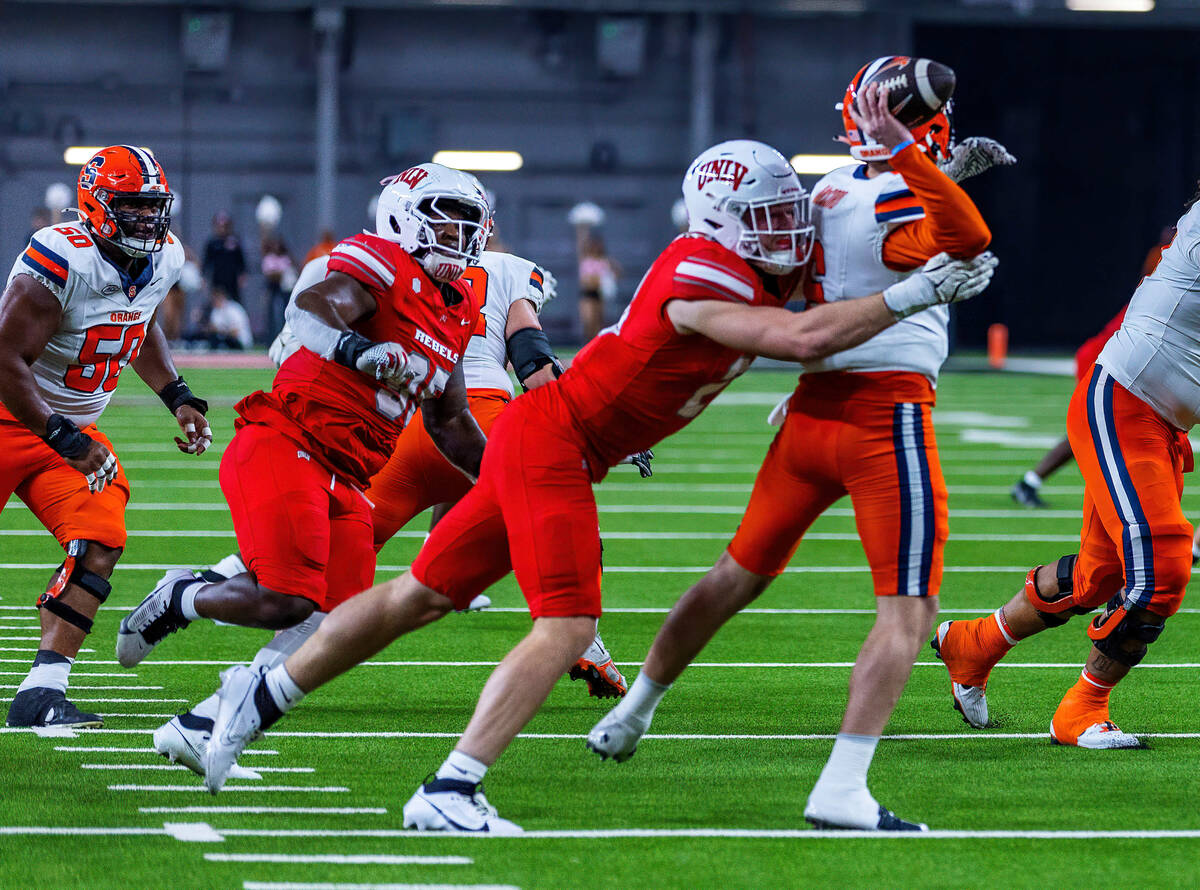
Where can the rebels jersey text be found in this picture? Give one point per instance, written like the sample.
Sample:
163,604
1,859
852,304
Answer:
641,380
1156,352
343,417
499,280
105,314
853,216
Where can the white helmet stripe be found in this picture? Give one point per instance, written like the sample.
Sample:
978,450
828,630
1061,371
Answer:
149,165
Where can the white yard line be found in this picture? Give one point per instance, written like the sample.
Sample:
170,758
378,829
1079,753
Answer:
340,858
192,832
80,687
127,701
309,789
315,811
330,885
176,767
85,749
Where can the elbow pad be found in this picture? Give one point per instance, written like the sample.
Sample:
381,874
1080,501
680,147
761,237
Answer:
529,350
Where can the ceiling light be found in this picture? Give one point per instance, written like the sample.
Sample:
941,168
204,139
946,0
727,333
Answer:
1110,5
480,160
819,164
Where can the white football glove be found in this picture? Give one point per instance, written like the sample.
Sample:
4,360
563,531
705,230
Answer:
391,365
941,280
974,155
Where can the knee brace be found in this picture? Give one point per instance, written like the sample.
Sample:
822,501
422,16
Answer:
72,571
1057,610
1116,628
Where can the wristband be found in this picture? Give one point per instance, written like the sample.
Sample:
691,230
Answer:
350,346
176,394
65,437
913,294
903,145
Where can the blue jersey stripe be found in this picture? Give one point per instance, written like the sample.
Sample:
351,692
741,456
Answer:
48,253
904,545
899,193
42,270
927,508
902,213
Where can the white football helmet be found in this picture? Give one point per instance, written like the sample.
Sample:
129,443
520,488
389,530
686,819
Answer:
746,196
430,195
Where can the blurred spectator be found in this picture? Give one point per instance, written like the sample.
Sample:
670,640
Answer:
187,289
38,219
279,275
598,274
228,324
224,262
323,247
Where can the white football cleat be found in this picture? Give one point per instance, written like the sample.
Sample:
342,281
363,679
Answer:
1099,736
238,723
146,626
454,805
478,604
596,666
184,739
616,737
971,702
856,811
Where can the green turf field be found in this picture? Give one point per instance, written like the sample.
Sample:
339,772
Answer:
715,795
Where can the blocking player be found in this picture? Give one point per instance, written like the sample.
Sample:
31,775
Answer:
711,301
1127,424
859,424
416,476
79,306
383,333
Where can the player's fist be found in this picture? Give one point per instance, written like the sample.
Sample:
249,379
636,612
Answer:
974,155
392,365
941,280
98,465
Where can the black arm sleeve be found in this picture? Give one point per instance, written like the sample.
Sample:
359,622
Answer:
529,351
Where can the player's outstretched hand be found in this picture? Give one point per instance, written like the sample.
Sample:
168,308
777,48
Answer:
98,465
197,434
941,280
974,155
874,118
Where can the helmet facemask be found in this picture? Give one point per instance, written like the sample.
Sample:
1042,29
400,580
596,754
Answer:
453,233
139,221
777,234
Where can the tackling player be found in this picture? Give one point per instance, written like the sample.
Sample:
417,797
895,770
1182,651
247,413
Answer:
383,333
1127,424
711,301
79,306
858,424
417,475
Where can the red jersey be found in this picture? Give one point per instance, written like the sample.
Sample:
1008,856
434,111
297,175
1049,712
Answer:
641,380
342,417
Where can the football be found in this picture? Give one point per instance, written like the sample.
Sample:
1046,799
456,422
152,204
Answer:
917,88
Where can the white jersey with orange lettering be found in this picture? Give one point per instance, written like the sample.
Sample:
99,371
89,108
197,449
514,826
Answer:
104,315
853,216
499,280
1156,352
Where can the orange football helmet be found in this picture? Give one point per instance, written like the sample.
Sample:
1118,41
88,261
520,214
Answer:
934,137
124,198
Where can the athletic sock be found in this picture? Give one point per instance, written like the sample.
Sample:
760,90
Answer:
286,642
641,700
1033,480
1084,704
207,709
282,688
463,768
846,769
972,648
50,670
185,601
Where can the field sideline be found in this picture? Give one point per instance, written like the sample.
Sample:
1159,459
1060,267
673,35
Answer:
714,796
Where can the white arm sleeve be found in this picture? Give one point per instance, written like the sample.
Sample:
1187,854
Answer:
311,331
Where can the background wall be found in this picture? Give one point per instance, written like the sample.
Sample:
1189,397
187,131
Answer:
1103,122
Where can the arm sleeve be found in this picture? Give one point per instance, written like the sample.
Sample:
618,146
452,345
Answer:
951,221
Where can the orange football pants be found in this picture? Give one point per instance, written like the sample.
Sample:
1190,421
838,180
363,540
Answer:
417,475
868,435
1134,533
57,494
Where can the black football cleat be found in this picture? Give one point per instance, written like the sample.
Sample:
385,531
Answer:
42,706
1026,495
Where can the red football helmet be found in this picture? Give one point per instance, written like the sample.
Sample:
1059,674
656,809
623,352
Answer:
124,198
934,136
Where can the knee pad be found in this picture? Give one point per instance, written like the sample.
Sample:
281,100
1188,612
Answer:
1113,631
1057,610
72,571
